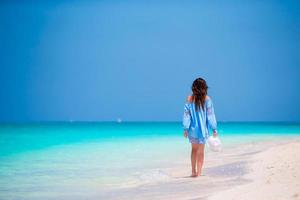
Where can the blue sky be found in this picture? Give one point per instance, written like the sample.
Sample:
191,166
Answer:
100,60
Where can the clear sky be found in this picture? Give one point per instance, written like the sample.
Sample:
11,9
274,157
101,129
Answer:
100,60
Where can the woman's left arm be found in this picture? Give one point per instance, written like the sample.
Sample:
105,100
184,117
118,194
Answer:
186,122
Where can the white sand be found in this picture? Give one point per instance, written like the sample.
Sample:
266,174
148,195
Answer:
265,170
274,174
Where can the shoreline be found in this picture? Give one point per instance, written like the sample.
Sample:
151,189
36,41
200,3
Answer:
223,173
164,175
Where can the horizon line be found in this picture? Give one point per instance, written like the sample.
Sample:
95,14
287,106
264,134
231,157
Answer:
134,121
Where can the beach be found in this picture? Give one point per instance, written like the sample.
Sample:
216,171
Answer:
273,174
146,161
262,170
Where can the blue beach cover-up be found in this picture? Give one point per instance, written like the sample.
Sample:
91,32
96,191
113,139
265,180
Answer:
198,123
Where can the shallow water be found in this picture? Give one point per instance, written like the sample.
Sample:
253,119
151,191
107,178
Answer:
85,160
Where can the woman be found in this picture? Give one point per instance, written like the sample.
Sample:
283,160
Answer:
198,119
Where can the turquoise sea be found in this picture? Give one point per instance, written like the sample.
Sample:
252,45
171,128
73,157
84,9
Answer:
82,160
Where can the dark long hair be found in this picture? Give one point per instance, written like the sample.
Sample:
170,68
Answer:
199,89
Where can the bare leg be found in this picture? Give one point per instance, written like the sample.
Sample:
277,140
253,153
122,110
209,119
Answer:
194,159
200,158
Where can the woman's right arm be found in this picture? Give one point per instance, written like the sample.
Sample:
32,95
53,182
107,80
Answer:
211,118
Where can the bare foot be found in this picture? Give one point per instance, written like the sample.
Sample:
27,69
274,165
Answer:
194,174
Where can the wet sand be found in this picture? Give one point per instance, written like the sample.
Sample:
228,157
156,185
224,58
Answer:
223,172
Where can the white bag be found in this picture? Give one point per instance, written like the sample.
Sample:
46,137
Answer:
214,143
